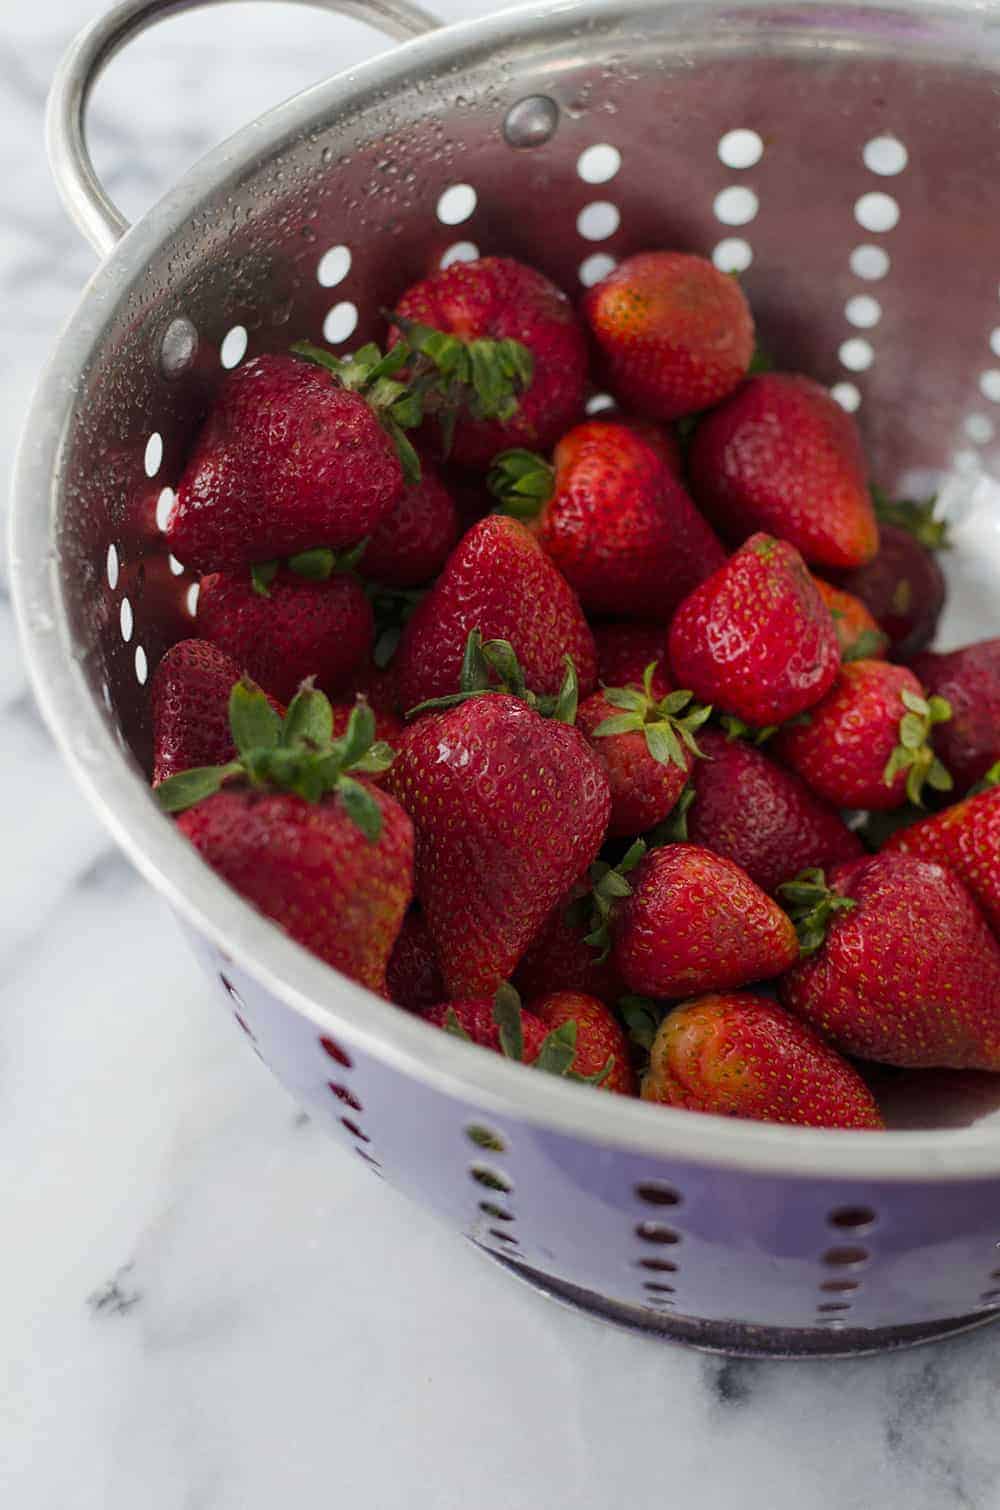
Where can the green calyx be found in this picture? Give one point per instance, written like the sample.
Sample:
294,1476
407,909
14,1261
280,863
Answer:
668,723
558,1048
736,728
316,565
399,405
674,828
521,482
916,517
296,754
609,887
869,643
641,1018
482,378
987,782
812,906
392,608
914,753
493,667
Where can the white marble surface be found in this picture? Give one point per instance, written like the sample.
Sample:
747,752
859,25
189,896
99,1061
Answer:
204,1306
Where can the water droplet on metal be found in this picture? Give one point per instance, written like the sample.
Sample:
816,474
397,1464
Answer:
178,347
531,122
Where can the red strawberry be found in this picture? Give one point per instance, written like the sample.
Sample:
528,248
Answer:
612,518
675,335
625,650
290,627
601,1046
762,817
904,589
660,438
868,743
288,459
514,331
696,922
647,747
782,455
476,1020
740,1055
969,680
966,839
413,976
497,580
415,538
377,684
560,959
858,633
189,703
289,826
898,966
756,639
509,809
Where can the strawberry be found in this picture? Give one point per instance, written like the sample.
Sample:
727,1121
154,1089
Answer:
601,1046
560,959
647,746
693,921
740,1055
675,335
497,580
389,729
476,1020
660,438
613,519
624,650
903,588
756,639
782,455
509,808
898,964
189,706
285,626
560,1048
512,346
868,743
291,827
764,818
966,839
413,976
969,681
858,632
415,538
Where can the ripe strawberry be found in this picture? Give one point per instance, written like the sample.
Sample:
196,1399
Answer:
189,704
509,808
612,518
675,335
289,826
476,1020
756,639
500,581
647,746
560,959
601,1046
966,839
285,627
415,538
782,455
858,633
413,976
694,921
740,1055
898,964
660,438
765,819
969,680
625,650
517,355
868,743
904,589
564,1047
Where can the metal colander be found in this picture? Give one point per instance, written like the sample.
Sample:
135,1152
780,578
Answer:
846,160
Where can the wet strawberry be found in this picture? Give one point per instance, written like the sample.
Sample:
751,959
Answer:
624,650
858,632
415,538
969,681
903,588
966,839
189,705
602,1052
560,959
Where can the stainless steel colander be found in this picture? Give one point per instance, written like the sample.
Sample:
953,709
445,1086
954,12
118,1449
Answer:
846,160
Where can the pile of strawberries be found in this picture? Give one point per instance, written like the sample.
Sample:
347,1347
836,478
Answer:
629,718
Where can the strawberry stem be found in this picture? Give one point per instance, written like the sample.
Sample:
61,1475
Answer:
521,482
914,753
609,887
917,518
668,728
812,906
398,405
493,667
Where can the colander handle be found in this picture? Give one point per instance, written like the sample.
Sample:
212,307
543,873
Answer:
82,193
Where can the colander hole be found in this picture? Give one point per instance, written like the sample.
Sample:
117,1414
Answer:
741,148
885,155
839,1286
845,1258
485,1137
354,1130
343,1094
456,204
141,666
656,1194
336,1053
871,262
979,428
732,255
334,266
232,992
489,1208
989,385
847,395
341,322
177,567
234,347
164,504
851,1218
655,1232
598,402
656,1287
153,458
736,205
829,1306
995,342
598,220
863,311
460,251
368,1158
504,1237
599,164
242,1023
191,598
595,267
658,1265
112,567
876,212
491,1178
857,354
126,620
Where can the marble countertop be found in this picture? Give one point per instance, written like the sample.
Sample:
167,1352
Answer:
204,1306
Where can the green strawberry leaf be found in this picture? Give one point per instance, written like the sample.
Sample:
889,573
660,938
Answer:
309,720
868,643
598,1077
507,1016
736,728
674,827
914,753
986,782
521,482
254,723
182,791
361,807
812,906
558,1050
452,1025
620,723
915,517
664,746
262,575
641,1018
